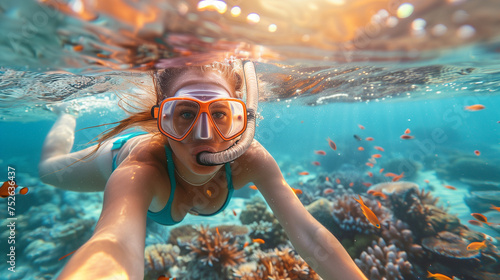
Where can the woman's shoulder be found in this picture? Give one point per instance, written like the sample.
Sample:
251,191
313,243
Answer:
148,149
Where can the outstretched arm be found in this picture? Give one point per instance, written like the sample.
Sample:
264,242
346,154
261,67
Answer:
315,244
116,250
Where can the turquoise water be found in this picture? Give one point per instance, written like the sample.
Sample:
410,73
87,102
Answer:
424,89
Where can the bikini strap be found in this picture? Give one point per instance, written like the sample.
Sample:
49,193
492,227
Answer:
229,177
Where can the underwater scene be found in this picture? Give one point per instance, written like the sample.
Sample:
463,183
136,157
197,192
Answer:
383,117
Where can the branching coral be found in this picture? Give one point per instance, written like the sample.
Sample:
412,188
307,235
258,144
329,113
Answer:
381,261
275,265
212,255
158,259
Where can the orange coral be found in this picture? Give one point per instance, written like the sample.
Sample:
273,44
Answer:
216,249
277,264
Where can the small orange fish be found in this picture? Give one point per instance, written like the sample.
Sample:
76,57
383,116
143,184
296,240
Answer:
332,144
397,178
406,137
379,204
376,156
366,184
253,187
234,213
101,55
328,191
475,246
316,163
407,131
438,276
475,223
495,208
379,148
426,181
320,152
381,170
369,164
480,217
450,187
78,48
245,245
361,127
369,139
372,218
361,148
297,191
303,173
369,174
327,179
258,240
337,181
477,152
351,184
475,107
377,193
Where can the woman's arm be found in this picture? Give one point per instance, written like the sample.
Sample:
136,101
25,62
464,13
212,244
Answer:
116,250
315,244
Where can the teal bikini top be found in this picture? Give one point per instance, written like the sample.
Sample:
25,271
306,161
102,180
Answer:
164,216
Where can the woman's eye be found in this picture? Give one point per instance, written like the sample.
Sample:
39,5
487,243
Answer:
187,115
218,115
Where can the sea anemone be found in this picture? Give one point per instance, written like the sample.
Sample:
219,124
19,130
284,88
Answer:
213,255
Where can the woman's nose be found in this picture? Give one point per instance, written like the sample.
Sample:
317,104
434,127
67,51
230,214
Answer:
203,128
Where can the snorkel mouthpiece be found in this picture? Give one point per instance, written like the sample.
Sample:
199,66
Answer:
240,146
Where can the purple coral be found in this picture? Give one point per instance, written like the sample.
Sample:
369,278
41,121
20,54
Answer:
381,261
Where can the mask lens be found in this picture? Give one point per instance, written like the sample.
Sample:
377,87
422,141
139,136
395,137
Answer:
228,116
178,116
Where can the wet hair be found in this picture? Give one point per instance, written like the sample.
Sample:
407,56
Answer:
139,107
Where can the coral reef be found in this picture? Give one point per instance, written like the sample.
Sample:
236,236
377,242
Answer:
382,261
212,255
158,259
348,214
472,168
277,264
481,201
258,216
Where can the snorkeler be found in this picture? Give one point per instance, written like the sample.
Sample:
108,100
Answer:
196,149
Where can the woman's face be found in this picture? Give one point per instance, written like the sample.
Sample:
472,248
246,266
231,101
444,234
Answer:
187,150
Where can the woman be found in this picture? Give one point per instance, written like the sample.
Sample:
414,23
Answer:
195,123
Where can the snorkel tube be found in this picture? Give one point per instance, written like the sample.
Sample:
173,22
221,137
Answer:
240,147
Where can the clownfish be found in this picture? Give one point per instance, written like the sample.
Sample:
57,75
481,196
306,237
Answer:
372,218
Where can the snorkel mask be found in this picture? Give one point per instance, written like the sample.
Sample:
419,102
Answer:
203,106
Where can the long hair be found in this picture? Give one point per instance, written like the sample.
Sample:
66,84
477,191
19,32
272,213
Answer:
139,107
